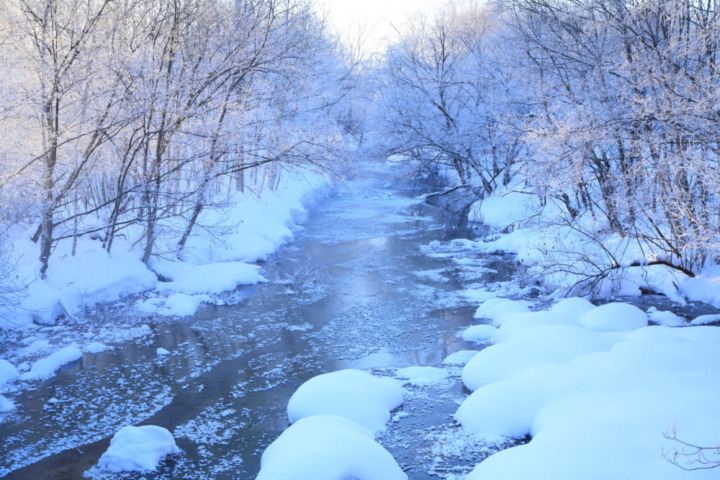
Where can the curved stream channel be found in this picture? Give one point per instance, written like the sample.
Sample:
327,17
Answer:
356,289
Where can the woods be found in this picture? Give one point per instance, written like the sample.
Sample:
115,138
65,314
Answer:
130,117
605,110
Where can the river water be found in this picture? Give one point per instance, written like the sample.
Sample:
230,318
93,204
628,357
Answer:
358,288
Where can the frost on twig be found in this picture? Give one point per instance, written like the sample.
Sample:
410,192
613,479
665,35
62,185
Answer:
689,456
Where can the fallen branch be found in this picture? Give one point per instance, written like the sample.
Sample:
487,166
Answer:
657,261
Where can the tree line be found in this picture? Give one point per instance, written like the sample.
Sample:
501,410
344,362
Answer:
130,117
606,108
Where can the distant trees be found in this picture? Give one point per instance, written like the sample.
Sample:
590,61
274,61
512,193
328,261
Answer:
609,108
627,120
444,98
134,114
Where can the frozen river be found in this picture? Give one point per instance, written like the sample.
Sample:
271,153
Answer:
371,282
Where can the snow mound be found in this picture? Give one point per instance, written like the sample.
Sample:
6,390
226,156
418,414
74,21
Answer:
420,376
496,309
327,447
529,347
478,333
352,394
138,449
459,358
614,317
599,414
46,367
573,306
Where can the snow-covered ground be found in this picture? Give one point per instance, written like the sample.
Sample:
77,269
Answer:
218,257
562,255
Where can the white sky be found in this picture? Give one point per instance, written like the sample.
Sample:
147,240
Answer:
374,17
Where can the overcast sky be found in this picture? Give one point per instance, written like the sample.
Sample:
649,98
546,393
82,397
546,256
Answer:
375,17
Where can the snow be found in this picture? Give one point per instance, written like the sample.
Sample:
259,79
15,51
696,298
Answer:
421,376
327,447
216,258
177,304
95,347
46,367
530,347
211,278
669,319
595,402
138,449
6,405
503,209
614,317
572,306
705,319
7,372
459,358
352,394
478,333
162,351
495,309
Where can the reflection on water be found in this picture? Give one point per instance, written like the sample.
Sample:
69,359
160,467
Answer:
346,294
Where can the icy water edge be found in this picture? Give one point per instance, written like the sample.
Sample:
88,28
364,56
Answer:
358,288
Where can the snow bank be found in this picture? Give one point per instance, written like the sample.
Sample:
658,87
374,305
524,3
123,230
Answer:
562,255
327,447
246,229
210,278
421,376
352,394
503,209
46,367
597,407
138,449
